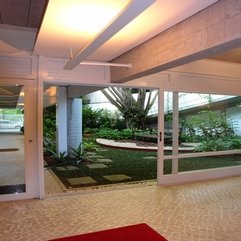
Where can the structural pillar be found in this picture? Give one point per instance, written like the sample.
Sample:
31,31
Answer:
74,123
61,121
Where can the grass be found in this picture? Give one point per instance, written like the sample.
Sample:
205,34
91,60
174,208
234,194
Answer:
133,164
128,162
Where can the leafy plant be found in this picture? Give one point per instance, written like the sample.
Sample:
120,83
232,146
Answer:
114,134
77,152
89,147
208,125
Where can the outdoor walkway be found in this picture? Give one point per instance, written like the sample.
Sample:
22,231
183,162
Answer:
141,146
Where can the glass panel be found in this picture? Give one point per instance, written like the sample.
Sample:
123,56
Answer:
208,162
206,123
167,166
209,122
12,169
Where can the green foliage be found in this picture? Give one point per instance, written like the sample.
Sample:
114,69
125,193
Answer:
207,125
213,145
77,152
219,144
114,134
10,111
236,142
49,128
81,150
101,118
89,147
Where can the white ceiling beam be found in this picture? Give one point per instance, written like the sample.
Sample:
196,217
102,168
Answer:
101,63
131,11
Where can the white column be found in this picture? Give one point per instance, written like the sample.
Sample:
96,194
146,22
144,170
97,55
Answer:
61,120
74,123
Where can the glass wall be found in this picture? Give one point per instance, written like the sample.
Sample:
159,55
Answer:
202,131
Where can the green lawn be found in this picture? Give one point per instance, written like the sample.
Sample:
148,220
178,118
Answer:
135,165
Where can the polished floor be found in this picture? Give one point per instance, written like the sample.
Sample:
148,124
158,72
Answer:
189,212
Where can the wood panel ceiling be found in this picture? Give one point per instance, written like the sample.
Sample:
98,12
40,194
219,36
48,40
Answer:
25,13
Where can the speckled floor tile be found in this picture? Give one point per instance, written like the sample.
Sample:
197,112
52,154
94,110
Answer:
203,211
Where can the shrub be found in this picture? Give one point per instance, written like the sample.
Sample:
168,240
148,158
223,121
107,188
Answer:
114,134
101,118
220,144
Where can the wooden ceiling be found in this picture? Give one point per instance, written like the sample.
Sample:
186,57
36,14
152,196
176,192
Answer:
24,13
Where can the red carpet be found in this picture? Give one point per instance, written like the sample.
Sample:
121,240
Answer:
138,232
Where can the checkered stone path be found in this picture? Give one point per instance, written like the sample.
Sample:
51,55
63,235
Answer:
67,168
97,165
104,160
81,180
117,177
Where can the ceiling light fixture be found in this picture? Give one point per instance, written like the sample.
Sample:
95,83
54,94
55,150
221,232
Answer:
131,11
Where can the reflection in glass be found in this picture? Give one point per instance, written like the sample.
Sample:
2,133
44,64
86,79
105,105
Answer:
12,169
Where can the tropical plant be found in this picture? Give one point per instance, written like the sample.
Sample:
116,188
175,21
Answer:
89,147
77,152
93,119
134,110
114,134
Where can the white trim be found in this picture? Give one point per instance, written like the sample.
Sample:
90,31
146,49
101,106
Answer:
201,175
201,154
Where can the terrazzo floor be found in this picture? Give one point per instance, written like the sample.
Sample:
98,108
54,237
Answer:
189,212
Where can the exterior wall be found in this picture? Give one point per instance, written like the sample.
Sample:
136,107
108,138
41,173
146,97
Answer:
234,113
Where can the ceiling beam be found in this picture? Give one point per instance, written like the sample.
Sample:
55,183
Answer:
131,11
211,31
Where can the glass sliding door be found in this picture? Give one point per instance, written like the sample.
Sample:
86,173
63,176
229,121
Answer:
201,132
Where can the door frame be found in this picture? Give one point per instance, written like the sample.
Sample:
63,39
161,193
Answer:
29,139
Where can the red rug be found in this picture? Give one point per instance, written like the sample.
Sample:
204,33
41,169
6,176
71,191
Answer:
138,232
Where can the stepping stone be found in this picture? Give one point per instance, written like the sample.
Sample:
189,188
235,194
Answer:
117,177
99,156
104,160
72,168
96,166
81,180
61,168
67,168
90,153
149,157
